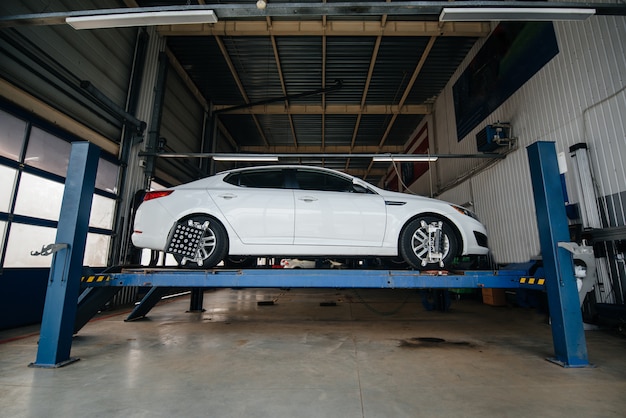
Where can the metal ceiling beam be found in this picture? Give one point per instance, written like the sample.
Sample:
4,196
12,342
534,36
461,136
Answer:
227,135
186,79
242,90
407,90
333,149
329,28
377,155
430,10
279,68
331,109
409,87
368,80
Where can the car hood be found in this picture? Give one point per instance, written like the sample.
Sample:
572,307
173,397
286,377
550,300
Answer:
406,197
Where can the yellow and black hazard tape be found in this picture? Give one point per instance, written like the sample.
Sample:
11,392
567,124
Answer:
95,279
532,281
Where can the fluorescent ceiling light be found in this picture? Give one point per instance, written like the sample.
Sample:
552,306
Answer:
122,20
474,14
243,157
404,158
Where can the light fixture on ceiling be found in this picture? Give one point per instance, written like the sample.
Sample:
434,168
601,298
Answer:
474,14
404,158
244,157
130,19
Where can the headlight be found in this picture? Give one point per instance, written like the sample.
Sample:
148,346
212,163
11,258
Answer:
465,212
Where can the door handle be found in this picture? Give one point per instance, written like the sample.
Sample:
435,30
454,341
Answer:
307,199
228,196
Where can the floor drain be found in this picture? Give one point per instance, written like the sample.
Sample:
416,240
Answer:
429,340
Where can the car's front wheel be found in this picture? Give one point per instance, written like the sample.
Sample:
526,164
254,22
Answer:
212,246
428,243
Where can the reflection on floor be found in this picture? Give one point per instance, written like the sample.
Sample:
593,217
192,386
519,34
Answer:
315,353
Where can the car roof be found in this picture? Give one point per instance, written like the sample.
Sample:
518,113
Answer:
283,166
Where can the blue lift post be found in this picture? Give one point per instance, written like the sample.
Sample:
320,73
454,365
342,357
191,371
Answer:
567,325
57,326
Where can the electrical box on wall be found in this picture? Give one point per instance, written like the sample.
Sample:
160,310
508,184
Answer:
492,137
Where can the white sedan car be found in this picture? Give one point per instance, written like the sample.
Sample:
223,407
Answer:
300,211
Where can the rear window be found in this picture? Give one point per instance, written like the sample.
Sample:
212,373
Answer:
263,179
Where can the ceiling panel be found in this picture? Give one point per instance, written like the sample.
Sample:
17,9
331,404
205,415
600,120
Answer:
382,61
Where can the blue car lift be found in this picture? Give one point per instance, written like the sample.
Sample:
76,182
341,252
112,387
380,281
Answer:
60,321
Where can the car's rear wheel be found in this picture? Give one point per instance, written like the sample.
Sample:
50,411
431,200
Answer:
429,243
213,244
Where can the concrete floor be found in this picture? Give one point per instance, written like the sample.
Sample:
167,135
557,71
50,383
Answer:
297,358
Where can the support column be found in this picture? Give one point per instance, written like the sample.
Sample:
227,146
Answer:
566,318
197,299
59,314
134,178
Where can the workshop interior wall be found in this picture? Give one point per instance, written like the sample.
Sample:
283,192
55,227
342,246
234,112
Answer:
579,96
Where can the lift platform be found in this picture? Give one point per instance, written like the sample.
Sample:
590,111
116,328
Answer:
314,278
165,281
559,282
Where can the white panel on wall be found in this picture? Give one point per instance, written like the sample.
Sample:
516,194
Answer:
608,151
461,195
509,216
579,96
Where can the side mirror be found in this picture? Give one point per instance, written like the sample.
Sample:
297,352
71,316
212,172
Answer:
357,187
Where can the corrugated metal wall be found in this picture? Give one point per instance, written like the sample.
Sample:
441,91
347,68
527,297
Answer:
182,127
42,60
183,117
579,96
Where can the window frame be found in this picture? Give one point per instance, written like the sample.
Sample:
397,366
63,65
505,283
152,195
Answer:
21,167
257,171
328,174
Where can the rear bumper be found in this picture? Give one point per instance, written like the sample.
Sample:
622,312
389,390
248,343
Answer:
151,227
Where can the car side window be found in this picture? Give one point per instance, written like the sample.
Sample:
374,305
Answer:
263,179
313,180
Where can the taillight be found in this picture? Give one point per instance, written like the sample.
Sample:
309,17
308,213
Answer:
156,194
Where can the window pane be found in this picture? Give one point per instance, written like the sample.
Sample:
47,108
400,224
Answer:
39,197
262,179
102,209
106,178
26,238
97,250
6,187
3,228
311,180
47,152
12,131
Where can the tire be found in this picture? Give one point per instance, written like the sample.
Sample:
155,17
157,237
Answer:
213,246
413,243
